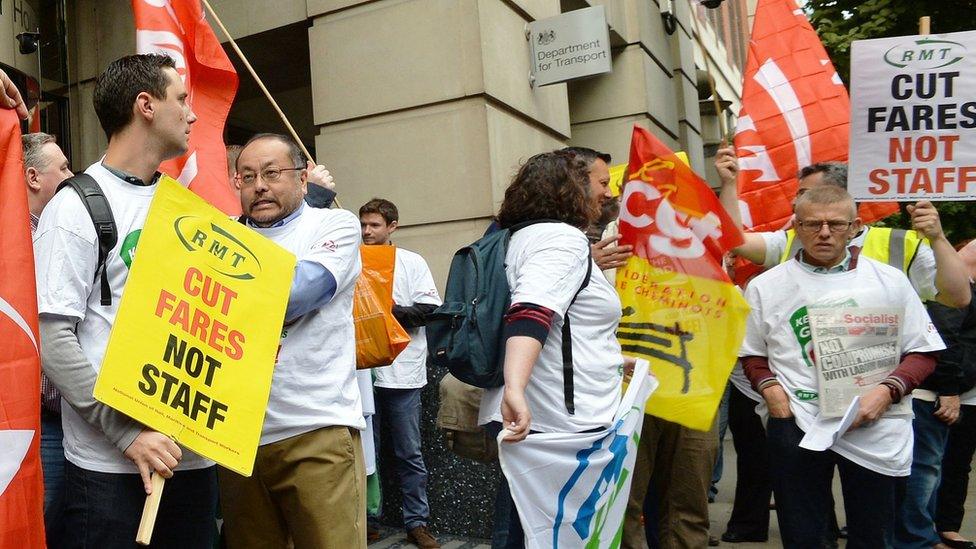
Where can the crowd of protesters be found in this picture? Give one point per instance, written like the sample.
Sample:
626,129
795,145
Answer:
903,475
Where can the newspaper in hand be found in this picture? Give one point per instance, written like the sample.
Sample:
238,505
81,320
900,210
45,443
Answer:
855,348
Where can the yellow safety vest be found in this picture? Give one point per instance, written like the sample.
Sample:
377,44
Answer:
894,247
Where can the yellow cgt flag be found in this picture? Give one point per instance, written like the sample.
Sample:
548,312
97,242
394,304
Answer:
680,310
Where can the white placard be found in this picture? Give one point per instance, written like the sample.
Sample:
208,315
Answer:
569,46
913,118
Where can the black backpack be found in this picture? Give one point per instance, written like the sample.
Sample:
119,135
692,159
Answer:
101,215
464,334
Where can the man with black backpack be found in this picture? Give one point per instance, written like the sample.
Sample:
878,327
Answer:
141,103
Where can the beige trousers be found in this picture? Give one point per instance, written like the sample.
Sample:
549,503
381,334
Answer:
306,492
681,461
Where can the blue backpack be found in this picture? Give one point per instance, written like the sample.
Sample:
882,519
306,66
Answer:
464,334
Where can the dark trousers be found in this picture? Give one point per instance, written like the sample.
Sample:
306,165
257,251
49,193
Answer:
102,510
750,508
956,465
801,482
398,412
506,532
52,463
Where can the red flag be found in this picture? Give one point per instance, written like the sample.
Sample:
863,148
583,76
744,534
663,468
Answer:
795,112
21,485
670,215
178,28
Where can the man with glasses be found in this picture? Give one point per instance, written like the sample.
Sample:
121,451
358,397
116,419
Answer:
308,488
875,454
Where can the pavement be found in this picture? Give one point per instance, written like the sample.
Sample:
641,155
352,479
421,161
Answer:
393,538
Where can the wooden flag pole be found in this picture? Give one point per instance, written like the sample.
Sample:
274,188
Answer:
925,25
150,510
264,89
711,79
257,79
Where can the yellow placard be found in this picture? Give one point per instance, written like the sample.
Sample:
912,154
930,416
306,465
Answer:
193,346
689,328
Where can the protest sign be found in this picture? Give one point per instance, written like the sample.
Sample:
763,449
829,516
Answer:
193,346
571,489
913,118
855,348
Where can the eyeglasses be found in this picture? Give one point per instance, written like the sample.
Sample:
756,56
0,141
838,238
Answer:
270,175
815,226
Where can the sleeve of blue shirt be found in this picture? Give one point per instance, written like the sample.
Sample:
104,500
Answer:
313,287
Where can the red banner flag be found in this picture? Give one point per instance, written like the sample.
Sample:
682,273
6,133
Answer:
177,28
795,112
21,485
682,218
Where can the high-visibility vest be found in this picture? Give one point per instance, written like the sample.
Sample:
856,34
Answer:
894,247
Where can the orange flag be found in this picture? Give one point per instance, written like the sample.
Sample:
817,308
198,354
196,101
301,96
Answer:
795,112
21,486
178,28
677,209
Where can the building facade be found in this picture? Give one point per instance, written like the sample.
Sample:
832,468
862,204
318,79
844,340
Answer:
425,102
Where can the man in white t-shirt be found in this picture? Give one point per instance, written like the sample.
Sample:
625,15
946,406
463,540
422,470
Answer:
141,103
398,386
875,454
308,487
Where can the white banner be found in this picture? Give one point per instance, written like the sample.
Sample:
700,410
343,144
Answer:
571,489
913,118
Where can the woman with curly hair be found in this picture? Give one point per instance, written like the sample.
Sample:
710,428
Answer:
553,279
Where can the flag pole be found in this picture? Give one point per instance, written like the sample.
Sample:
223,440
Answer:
723,131
925,25
257,79
150,510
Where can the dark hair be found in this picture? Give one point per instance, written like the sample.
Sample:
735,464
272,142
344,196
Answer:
553,185
383,207
125,78
588,154
294,151
834,173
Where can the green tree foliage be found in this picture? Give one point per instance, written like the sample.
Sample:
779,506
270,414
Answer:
840,22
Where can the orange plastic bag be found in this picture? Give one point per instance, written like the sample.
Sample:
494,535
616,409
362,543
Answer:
379,337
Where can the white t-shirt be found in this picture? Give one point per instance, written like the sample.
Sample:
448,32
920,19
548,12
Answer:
66,252
968,398
545,265
778,328
412,284
314,383
921,272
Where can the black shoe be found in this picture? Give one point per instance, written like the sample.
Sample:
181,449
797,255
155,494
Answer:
842,534
712,541
958,543
735,537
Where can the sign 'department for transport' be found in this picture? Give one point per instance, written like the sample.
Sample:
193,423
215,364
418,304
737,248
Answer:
913,118
569,46
194,343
